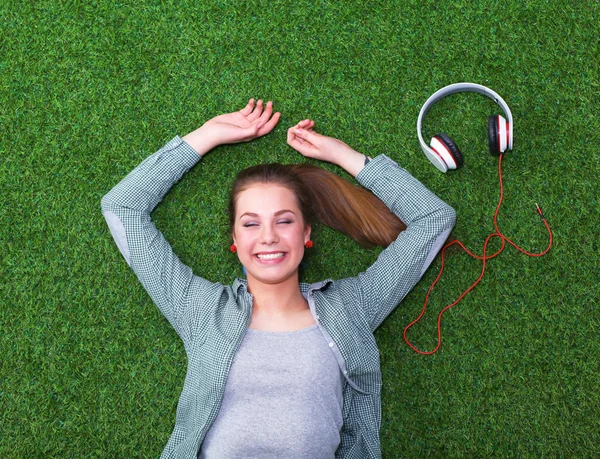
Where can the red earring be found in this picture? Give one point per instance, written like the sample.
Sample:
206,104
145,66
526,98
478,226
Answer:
233,248
308,244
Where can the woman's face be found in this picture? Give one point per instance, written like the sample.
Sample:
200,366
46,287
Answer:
269,233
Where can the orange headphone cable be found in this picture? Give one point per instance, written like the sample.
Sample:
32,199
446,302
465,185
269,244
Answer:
484,259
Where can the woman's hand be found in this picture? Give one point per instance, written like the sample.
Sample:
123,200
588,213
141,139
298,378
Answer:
304,139
251,122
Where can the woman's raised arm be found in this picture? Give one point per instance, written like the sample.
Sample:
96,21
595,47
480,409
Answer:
178,293
428,220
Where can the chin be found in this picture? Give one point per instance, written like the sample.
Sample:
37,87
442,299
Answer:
273,278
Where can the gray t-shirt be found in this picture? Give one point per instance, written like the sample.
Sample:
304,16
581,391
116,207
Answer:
283,398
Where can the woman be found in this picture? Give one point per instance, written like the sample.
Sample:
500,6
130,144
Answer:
278,368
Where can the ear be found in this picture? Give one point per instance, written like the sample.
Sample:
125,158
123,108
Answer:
307,230
233,236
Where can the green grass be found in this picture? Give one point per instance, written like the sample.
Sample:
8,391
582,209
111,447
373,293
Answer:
88,366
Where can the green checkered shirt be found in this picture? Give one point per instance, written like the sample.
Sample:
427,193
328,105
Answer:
212,318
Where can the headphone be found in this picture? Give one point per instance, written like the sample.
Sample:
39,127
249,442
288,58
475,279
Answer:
443,152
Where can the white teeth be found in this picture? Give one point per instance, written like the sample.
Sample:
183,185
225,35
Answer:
270,256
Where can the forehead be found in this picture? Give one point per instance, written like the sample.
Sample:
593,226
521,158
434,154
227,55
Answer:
266,199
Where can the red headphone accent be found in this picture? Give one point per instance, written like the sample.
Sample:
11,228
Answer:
500,133
484,258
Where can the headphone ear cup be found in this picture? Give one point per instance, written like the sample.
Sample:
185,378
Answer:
493,137
452,148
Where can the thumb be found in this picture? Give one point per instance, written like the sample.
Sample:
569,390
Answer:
252,130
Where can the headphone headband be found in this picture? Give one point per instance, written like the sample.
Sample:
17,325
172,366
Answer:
462,87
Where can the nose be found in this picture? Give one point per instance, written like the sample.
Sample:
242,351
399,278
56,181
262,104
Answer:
268,235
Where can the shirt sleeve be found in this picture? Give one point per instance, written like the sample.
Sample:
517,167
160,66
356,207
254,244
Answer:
399,267
173,287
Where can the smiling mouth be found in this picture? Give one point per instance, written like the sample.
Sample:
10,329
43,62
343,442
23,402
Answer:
270,256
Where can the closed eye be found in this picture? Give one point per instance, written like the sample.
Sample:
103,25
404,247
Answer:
284,222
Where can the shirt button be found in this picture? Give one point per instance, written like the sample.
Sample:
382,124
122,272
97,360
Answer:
330,344
345,372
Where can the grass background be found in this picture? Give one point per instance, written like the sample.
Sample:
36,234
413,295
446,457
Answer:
88,366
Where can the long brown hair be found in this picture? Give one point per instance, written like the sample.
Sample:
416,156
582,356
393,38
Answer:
327,198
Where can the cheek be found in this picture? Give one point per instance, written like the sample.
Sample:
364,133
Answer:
245,240
299,238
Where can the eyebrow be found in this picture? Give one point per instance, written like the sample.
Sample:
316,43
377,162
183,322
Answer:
279,212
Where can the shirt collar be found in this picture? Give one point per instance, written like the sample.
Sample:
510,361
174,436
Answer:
242,284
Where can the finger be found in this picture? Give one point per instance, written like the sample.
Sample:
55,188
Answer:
302,146
305,134
303,124
307,125
257,111
248,108
305,149
269,125
292,136
292,139
266,114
